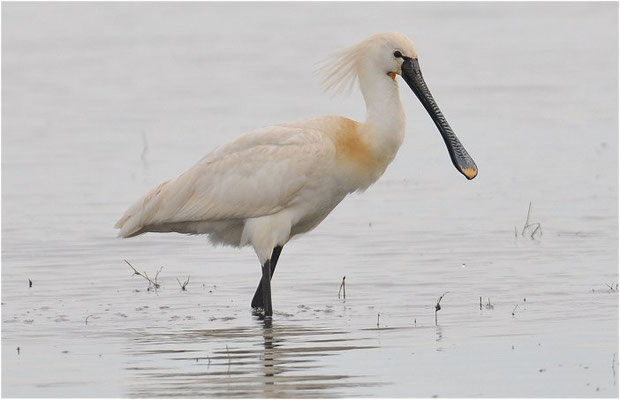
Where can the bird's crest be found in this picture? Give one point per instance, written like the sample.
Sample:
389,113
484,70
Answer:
340,71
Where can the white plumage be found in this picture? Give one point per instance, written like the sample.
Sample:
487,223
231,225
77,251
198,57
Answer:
261,189
280,181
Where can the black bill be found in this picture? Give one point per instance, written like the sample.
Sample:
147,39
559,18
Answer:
460,158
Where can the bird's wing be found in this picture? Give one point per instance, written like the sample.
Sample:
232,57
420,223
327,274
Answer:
258,174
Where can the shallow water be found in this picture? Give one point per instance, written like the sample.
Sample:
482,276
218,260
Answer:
103,101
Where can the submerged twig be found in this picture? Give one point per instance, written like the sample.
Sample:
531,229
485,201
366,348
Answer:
514,309
378,315
29,283
343,289
228,355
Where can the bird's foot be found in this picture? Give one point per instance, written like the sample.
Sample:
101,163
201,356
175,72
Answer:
257,301
260,313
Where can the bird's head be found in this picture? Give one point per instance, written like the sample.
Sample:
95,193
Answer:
385,54
378,56
381,58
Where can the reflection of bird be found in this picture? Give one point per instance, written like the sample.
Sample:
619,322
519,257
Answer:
280,181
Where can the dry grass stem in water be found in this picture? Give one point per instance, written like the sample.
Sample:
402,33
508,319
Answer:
531,228
438,306
343,289
489,306
184,284
153,284
145,150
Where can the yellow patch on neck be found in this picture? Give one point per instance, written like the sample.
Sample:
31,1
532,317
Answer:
351,146
392,75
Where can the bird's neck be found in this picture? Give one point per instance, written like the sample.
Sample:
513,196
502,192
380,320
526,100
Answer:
385,118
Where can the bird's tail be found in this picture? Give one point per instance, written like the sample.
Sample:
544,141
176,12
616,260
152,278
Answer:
139,214
128,226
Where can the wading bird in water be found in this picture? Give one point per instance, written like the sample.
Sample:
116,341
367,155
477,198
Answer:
283,180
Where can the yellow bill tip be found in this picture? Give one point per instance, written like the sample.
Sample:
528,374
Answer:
470,173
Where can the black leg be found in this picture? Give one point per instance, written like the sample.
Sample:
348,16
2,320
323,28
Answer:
257,300
266,283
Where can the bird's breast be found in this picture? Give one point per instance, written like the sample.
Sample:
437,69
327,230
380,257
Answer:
358,160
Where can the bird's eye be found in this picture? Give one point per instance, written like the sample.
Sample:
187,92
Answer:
398,54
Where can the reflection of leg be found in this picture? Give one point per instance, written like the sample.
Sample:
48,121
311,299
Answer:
268,359
257,300
266,284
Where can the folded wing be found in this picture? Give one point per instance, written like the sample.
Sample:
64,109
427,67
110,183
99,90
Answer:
258,174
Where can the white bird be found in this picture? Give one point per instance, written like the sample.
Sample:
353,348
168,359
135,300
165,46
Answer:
281,181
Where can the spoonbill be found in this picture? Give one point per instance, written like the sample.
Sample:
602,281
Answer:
280,181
